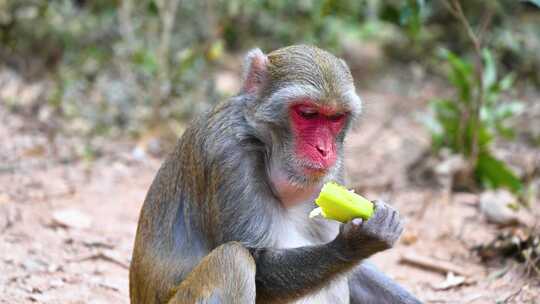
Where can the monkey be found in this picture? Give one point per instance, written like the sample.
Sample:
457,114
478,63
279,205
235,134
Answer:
226,218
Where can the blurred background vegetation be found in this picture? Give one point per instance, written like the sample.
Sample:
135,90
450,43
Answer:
110,69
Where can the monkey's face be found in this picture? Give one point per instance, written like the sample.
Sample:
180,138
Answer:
300,101
315,132
309,150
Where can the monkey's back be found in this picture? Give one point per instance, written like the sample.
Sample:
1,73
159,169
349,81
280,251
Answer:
166,244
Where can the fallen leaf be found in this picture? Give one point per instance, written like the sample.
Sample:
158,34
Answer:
36,151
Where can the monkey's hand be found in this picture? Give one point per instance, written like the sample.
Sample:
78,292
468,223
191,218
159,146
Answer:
359,239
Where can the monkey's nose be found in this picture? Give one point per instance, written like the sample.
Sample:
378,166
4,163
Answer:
322,151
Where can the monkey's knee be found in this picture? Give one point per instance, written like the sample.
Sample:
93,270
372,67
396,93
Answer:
236,265
237,270
234,257
225,275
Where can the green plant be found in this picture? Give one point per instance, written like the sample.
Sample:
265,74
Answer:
468,123
281,22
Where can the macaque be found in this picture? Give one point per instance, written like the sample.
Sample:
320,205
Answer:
226,218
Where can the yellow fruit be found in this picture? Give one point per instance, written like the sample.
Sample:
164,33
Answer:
337,203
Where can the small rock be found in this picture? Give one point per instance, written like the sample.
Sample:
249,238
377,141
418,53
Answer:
450,165
4,198
154,146
409,237
56,283
138,153
450,282
71,218
495,205
54,268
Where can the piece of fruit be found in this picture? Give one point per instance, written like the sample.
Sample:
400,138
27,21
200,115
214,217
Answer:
337,203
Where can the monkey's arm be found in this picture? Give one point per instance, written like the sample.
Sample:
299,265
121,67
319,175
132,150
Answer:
368,285
285,274
291,273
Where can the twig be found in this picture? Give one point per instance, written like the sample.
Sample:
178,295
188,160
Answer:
101,255
509,296
429,263
531,264
457,11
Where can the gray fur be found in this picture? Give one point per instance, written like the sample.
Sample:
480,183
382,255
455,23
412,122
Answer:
370,286
214,189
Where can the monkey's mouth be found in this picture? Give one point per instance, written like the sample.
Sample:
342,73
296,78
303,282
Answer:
314,170
315,167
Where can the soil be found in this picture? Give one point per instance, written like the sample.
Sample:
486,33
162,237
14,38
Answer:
67,224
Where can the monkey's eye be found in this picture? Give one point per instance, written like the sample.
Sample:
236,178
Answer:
307,113
336,117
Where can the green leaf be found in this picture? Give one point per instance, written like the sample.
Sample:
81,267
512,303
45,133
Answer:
509,109
484,137
146,60
461,75
490,70
448,117
493,173
507,81
152,8
501,115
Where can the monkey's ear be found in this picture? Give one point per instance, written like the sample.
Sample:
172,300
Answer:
255,71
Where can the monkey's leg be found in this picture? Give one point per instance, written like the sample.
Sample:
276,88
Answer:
370,286
225,275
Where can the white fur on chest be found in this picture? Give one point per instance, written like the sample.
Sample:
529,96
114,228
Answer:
293,233
290,236
292,228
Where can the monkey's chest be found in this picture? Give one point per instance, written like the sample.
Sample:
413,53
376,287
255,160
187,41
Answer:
293,235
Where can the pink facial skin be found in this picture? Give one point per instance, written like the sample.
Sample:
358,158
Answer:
315,129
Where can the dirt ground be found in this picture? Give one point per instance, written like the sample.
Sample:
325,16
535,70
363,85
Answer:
67,225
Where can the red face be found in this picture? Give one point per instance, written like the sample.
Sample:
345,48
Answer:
315,129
